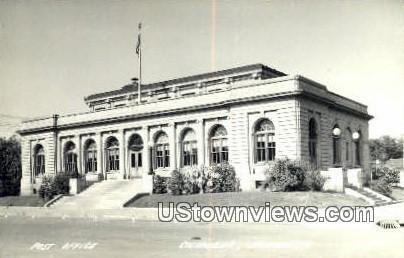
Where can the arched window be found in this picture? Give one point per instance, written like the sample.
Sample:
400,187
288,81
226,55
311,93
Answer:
91,156
313,141
70,158
265,147
162,151
336,135
39,160
112,154
219,149
135,151
189,148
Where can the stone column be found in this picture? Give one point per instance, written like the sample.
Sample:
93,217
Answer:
122,152
59,165
146,151
172,142
27,166
200,133
100,153
79,156
178,149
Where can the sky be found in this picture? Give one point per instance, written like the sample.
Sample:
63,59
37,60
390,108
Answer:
54,53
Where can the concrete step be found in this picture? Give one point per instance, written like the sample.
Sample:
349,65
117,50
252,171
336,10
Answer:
103,195
375,198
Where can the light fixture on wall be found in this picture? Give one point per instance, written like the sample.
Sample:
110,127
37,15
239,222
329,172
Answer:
356,135
336,132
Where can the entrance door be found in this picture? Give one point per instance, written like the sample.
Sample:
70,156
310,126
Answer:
136,164
135,156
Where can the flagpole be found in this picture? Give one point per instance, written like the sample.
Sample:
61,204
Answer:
140,66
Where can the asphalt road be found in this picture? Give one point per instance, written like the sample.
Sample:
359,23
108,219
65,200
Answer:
26,237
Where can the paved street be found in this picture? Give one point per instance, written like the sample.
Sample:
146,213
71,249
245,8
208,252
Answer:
86,238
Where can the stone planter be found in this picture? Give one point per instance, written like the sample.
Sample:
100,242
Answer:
334,179
147,183
354,177
76,185
92,177
37,184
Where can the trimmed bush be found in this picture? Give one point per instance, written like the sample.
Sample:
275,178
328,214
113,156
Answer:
381,186
176,183
47,189
193,179
61,182
286,175
389,175
384,178
214,179
314,180
159,185
221,178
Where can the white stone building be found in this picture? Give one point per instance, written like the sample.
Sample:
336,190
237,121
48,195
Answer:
247,116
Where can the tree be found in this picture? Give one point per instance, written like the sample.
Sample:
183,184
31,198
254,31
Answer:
10,166
385,148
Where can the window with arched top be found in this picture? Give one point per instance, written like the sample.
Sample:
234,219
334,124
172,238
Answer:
219,149
189,148
162,151
313,141
112,154
70,156
39,160
336,148
90,156
265,146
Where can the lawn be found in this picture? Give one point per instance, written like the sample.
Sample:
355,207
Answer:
318,199
32,201
398,193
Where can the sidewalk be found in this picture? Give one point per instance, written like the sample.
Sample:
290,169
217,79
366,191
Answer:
43,212
388,212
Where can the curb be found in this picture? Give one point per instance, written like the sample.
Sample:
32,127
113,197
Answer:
394,211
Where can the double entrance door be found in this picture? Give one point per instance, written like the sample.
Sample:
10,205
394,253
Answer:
135,164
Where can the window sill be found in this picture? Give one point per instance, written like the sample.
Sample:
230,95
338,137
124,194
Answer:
263,163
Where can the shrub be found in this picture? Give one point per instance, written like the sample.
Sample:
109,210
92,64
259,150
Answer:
61,182
192,180
389,175
159,185
286,175
221,178
314,180
47,189
384,178
382,186
176,183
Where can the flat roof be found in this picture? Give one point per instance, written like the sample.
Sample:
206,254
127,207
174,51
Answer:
187,79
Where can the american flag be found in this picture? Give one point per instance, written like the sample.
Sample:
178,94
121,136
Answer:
138,40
